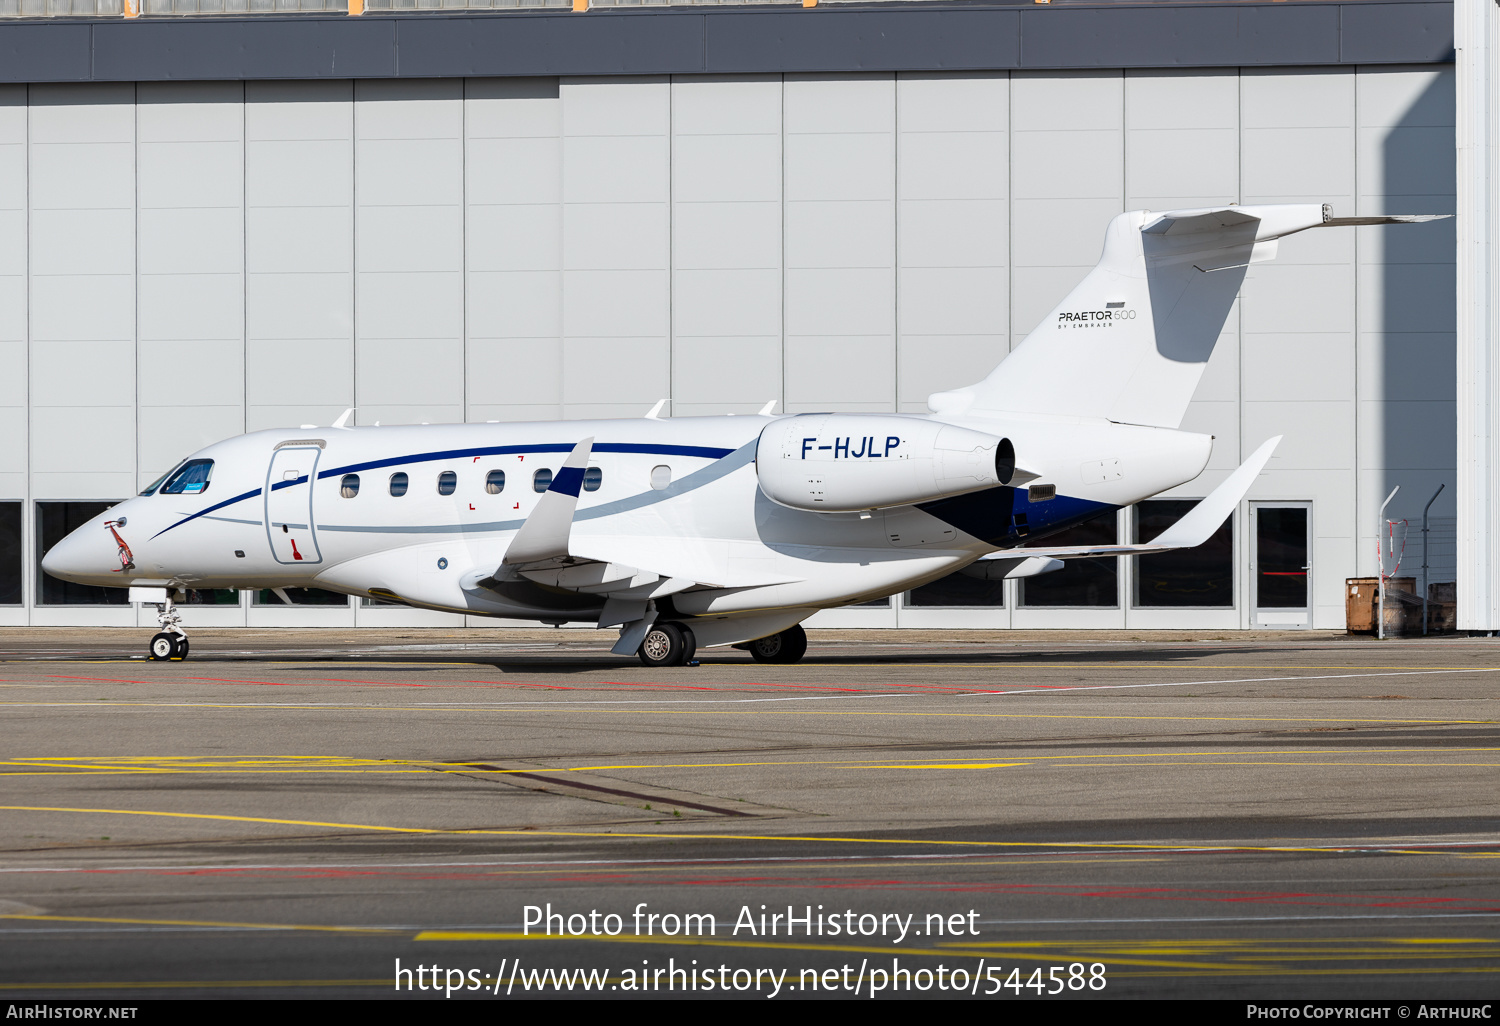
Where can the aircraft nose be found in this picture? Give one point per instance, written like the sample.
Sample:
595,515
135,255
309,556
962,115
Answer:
88,555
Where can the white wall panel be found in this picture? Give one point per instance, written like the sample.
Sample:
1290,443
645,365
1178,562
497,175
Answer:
190,286
513,184
409,251
82,300
13,299
616,299
840,168
953,232
299,299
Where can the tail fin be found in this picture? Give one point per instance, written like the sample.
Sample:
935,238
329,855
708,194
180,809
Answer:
1131,341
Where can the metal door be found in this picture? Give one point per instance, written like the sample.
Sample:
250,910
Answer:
289,519
1281,564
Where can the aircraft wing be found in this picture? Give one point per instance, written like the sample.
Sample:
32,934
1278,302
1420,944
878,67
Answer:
1191,531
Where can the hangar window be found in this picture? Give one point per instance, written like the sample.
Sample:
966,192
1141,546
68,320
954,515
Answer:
399,482
189,479
54,522
1201,578
1081,582
349,486
661,477
959,589
447,483
10,553
541,480
494,482
592,479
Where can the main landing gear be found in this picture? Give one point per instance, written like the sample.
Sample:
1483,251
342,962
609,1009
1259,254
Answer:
788,646
668,644
171,643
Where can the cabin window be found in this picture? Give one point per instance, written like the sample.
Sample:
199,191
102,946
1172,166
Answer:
447,483
661,477
399,482
189,479
349,486
541,480
494,482
593,477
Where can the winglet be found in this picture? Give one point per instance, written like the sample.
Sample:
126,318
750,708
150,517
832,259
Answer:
1204,519
545,533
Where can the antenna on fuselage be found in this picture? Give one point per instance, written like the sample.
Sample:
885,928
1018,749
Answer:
343,420
765,411
655,413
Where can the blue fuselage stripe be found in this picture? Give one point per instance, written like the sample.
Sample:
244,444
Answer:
204,512
696,451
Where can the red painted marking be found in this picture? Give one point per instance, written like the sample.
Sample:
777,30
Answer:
521,458
476,459
107,680
516,506
471,505
295,553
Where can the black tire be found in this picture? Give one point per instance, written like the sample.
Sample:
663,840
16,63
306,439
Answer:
163,647
788,646
665,644
182,648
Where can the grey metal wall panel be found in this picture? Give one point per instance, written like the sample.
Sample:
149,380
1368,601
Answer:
46,53
210,48
829,39
1396,33
1166,37
603,43
677,41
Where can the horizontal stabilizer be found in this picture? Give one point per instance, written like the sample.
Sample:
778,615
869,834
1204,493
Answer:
1191,531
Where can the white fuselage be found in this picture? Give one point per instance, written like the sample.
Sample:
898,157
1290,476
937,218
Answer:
275,514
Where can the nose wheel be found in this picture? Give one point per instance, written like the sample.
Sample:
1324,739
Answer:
170,643
166,646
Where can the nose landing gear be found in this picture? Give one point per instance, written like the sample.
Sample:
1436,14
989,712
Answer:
170,643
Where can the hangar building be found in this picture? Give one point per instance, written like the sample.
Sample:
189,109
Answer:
216,218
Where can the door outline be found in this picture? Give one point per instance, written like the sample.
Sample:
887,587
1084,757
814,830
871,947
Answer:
274,485
1288,618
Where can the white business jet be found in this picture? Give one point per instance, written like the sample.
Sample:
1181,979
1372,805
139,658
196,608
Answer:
729,530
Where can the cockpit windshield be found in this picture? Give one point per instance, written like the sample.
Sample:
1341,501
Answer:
189,479
151,488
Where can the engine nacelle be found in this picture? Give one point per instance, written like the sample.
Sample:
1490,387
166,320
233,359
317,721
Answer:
843,462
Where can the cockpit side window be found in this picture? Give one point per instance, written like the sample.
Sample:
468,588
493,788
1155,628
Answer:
151,488
189,479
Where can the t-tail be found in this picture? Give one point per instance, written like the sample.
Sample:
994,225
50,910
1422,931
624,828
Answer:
1129,344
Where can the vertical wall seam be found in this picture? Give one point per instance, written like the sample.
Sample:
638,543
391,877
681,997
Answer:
463,237
783,245
896,240
671,247
29,523
135,292
354,243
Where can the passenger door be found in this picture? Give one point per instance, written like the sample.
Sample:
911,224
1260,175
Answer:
289,516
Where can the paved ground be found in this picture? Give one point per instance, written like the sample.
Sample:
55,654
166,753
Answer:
1201,815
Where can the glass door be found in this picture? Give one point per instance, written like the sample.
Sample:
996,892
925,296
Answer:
1281,564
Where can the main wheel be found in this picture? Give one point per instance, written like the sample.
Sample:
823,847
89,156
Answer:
667,644
182,648
786,647
163,646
